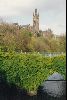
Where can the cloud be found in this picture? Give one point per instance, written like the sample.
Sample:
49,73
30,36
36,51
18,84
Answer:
14,7
52,12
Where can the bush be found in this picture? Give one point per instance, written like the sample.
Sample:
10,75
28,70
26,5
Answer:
31,69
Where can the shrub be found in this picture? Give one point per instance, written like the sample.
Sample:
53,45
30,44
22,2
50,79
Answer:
31,69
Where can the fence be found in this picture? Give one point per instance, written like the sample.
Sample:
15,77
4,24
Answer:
52,54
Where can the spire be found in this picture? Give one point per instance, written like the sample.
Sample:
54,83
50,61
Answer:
38,14
35,11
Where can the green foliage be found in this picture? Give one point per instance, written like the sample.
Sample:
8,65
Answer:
58,63
29,70
13,38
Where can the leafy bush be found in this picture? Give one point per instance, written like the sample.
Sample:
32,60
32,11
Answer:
30,70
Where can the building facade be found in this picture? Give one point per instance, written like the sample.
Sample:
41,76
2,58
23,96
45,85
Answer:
36,22
35,27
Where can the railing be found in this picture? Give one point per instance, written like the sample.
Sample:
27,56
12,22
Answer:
52,54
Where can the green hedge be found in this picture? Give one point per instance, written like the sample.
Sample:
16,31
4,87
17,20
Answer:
30,70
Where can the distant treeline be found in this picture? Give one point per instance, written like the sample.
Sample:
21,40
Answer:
14,39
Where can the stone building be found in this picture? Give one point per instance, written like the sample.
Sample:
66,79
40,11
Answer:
47,33
35,27
36,22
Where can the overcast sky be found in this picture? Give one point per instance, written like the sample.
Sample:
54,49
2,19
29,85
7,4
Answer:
52,13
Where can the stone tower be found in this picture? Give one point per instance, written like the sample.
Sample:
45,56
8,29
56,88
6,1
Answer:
36,22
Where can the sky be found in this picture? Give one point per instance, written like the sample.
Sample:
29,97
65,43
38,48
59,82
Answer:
52,13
